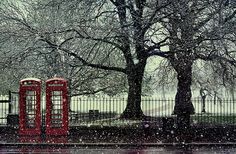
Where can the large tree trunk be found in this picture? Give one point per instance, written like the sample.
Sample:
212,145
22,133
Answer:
183,104
133,108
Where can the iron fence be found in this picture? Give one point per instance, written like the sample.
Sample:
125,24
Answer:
8,106
106,111
87,111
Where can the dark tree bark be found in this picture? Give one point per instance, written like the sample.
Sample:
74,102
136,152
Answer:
182,61
203,104
183,105
135,77
203,96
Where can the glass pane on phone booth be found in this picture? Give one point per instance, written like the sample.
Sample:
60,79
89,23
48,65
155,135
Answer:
56,112
30,108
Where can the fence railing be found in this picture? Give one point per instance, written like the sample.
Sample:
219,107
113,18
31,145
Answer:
8,105
107,110
86,111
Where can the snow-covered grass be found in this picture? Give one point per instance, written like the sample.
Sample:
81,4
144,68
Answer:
211,118
112,122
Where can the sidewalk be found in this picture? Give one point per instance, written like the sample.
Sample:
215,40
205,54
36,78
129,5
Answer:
123,136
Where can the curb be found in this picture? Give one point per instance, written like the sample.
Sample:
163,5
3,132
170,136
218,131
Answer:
112,145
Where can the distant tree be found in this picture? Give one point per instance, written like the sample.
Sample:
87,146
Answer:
203,94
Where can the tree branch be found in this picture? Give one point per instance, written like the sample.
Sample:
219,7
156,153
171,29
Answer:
230,17
157,52
99,66
151,20
79,35
212,57
202,23
84,62
155,49
92,92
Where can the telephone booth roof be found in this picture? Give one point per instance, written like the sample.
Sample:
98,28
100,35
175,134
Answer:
56,79
30,79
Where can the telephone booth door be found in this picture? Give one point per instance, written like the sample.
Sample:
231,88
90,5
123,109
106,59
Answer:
56,107
30,117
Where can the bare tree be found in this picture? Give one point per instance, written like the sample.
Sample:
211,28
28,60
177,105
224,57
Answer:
196,29
120,35
109,35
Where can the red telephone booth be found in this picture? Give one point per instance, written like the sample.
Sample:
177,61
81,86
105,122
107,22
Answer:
56,107
30,117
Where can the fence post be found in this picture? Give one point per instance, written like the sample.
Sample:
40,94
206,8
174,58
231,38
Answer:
9,102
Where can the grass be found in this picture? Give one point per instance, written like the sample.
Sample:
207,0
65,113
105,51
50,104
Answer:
218,119
206,118
111,122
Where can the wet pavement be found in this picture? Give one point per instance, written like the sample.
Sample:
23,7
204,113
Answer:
12,143
118,150
127,142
